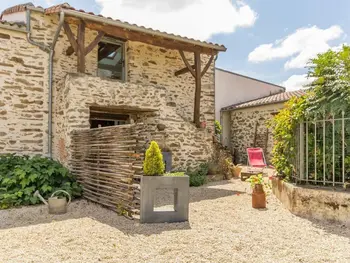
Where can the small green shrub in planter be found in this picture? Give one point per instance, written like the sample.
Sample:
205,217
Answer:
21,176
153,164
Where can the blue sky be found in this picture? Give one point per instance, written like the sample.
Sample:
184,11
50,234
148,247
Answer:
294,31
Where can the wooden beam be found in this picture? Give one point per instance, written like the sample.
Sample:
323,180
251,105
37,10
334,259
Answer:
189,67
70,36
207,65
124,34
197,99
183,71
81,47
94,43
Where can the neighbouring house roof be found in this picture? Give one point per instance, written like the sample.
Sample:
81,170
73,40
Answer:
272,99
119,23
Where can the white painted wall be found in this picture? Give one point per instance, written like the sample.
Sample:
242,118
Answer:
15,17
232,88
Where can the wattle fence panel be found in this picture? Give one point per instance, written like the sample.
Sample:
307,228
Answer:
108,163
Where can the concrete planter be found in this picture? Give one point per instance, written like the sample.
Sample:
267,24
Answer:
149,186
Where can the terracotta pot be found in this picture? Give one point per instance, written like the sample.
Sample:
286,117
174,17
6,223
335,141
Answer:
236,172
258,197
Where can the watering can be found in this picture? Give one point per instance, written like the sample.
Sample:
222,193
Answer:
56,204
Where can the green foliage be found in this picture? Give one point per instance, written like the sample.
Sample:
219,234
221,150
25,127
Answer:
175,174
258,179
198,177
218,128
153,164
331,86
284,125
328,96
255,179
21,176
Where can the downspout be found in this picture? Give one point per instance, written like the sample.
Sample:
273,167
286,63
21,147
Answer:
51,51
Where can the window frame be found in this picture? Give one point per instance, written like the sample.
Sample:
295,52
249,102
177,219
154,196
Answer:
115,41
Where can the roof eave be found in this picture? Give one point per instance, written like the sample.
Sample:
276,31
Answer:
135,28
252,106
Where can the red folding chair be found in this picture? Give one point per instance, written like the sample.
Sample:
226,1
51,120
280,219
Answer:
256,157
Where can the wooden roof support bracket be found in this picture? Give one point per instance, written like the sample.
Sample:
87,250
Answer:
78,44
197,73
185,69
190,69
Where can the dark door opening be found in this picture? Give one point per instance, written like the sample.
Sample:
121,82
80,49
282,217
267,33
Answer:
105,119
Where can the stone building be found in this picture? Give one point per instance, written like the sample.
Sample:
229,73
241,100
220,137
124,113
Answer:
232,88
63,70
248,124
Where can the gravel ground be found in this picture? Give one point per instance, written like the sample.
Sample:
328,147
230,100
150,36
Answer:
222,228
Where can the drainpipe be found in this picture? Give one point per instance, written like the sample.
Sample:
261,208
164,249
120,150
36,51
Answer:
51,51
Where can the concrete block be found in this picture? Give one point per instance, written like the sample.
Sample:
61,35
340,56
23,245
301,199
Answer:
149,186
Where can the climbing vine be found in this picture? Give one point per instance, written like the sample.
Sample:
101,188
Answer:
327,97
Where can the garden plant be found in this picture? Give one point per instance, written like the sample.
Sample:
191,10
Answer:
21,176
327,98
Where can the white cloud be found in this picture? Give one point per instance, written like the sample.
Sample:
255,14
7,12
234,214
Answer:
198,19
302,45
296,82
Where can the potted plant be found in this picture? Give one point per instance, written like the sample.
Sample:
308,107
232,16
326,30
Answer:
154,178
236,170
232,170
259,192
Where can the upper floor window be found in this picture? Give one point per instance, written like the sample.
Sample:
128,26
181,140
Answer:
111,55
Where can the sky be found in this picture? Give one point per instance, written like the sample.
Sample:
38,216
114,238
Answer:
271,40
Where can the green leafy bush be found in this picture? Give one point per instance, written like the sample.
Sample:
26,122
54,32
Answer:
328,96
153,164
198,177
218,128
21,176
283,126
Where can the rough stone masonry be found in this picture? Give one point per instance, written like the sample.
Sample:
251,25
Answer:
151,84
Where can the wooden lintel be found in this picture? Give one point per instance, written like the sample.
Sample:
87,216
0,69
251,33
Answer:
94,43
189,67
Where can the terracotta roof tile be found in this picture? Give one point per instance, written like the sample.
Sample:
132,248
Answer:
15,9
276,98
13,24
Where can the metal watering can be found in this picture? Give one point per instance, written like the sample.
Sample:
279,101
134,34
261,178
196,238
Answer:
55,204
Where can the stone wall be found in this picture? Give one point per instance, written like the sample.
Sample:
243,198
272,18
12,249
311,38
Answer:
151,65
24,93
147,103
24,84
313,203
249,129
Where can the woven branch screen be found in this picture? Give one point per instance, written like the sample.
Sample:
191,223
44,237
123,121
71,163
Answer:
108,163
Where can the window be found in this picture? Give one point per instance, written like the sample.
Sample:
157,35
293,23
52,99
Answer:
100,118
111,59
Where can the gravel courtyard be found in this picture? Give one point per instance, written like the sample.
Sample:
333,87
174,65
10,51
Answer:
222,228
